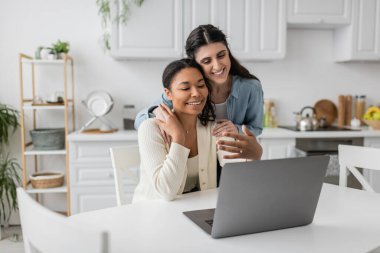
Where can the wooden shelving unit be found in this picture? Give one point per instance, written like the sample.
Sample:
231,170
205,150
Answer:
68,114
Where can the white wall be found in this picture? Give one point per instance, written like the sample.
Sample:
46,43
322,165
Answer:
306,75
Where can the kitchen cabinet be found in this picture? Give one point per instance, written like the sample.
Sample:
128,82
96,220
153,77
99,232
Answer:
256,29
277,148
153,30
92,184
319,13
360,40
91,175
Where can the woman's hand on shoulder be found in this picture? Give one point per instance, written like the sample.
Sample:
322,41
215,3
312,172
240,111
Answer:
171,125
245,146
224,126
160,116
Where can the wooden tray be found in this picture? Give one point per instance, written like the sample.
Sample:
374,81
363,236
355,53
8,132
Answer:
326,108
48,104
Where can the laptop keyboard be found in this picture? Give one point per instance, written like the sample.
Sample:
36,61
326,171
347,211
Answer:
210,222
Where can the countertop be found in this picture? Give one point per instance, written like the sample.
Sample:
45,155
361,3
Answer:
285,133
120,135
268,133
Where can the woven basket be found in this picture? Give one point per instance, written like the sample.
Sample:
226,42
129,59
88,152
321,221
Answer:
374,124
46,179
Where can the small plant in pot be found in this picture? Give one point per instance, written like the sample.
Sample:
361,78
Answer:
60,48
9,167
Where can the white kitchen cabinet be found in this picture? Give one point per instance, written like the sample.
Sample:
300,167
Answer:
372,142
153,30
92,183
319,13
255,29
277,148
199,12
360,41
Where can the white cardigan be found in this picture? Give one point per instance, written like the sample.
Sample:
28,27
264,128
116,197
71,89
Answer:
163,170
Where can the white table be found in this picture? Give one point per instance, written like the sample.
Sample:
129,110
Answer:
346,220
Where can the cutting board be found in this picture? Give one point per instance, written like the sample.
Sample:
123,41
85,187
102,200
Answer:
326,108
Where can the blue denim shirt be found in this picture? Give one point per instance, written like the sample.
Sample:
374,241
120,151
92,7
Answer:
244,105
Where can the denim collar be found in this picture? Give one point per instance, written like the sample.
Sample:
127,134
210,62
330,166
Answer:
235,87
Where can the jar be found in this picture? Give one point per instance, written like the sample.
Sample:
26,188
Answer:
129,114
37,53
360,107
44,53
268,104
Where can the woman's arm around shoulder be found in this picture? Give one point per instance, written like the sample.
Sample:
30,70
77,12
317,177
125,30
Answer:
146,113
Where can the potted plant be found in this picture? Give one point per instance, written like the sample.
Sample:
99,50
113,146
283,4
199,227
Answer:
60,48
9,168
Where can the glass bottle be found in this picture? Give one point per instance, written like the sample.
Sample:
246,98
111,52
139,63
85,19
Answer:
129,114
273,118
360,107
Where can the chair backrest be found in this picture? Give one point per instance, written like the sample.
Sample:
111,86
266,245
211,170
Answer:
351,157
123,159
46,231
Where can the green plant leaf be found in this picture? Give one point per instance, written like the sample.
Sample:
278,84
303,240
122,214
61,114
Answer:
61,47
8,121
139,2
9,180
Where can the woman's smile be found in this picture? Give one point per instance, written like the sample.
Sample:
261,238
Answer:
195,102
189,92
215,61
220,73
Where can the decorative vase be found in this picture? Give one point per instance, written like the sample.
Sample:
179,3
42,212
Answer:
61,56
44,53
52,56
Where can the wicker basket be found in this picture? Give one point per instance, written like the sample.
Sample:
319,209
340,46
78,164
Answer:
374,124
46,179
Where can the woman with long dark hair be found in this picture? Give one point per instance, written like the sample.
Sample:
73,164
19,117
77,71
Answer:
188,162
236,93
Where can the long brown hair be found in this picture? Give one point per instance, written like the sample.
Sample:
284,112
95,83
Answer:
207,34
208,112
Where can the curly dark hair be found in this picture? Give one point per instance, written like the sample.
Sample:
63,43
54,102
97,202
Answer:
208,112
207,34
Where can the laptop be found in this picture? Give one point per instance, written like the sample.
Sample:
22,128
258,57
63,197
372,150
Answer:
263,196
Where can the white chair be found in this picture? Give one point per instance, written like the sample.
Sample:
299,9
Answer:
45,231
351,157
123,159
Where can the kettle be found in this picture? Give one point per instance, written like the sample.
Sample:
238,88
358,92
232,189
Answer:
307,123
